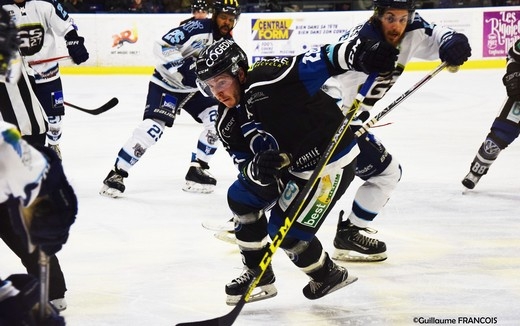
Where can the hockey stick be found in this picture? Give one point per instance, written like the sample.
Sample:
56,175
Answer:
296,209
39,62
105,107
43,261
401,98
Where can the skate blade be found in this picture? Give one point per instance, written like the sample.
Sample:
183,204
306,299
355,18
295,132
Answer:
350,279
110,192
226,236
354,256
227,226
259,293
194,187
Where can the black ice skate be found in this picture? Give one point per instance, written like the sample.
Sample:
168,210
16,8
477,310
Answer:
265,289
471,180
351,245
113,185
337,278
198,178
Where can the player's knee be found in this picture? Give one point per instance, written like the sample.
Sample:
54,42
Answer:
504,133
148,132
165,113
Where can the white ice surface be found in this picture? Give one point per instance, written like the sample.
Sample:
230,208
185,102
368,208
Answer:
145,259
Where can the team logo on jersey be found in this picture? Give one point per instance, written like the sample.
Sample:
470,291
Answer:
271,29
174,37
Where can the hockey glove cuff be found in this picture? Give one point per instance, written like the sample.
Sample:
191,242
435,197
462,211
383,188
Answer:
76,47
187,70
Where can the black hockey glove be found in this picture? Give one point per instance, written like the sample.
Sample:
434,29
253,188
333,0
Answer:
55,209
511,80
77,50
267,166
374,56
187,70
8,40
454,49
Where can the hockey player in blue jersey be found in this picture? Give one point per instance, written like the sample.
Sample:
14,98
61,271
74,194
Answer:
172,88
506,126
397,23
275,122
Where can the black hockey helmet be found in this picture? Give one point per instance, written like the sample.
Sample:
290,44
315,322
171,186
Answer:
226,6
219,57
380,6
199,5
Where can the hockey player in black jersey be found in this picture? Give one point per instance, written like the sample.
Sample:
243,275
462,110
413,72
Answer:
397,23
275,122
506,126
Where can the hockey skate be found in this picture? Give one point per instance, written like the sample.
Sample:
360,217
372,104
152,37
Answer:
59,304
225,231
265,289
336,279
198,178
113,185
351,245
471,180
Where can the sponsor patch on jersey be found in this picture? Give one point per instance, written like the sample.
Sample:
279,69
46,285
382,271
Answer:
313,214
514,113
168,102
57,99
290,192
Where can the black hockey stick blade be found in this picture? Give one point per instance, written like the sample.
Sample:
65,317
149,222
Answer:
103,108
226,320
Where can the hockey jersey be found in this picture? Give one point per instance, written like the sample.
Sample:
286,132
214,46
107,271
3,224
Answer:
283,108
39,22
421,41
176,52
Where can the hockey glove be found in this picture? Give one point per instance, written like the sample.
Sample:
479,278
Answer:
375,56
454,49
76,47
267,166
8,40
511,80
55,209
187,70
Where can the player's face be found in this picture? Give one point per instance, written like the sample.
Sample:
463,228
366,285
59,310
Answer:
225,88
200,14
393,23
225,23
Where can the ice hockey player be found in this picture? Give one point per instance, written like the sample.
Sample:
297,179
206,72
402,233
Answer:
21,107
276,153
40,23
171,88
397,23
199,10
505,127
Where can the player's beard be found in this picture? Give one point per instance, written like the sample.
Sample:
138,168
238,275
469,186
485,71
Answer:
394,37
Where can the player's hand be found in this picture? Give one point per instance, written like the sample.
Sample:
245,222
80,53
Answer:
511,80
455,49
76,47
375,56
267,166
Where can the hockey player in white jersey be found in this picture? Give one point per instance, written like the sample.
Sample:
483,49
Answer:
397,23
172,88
41,24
